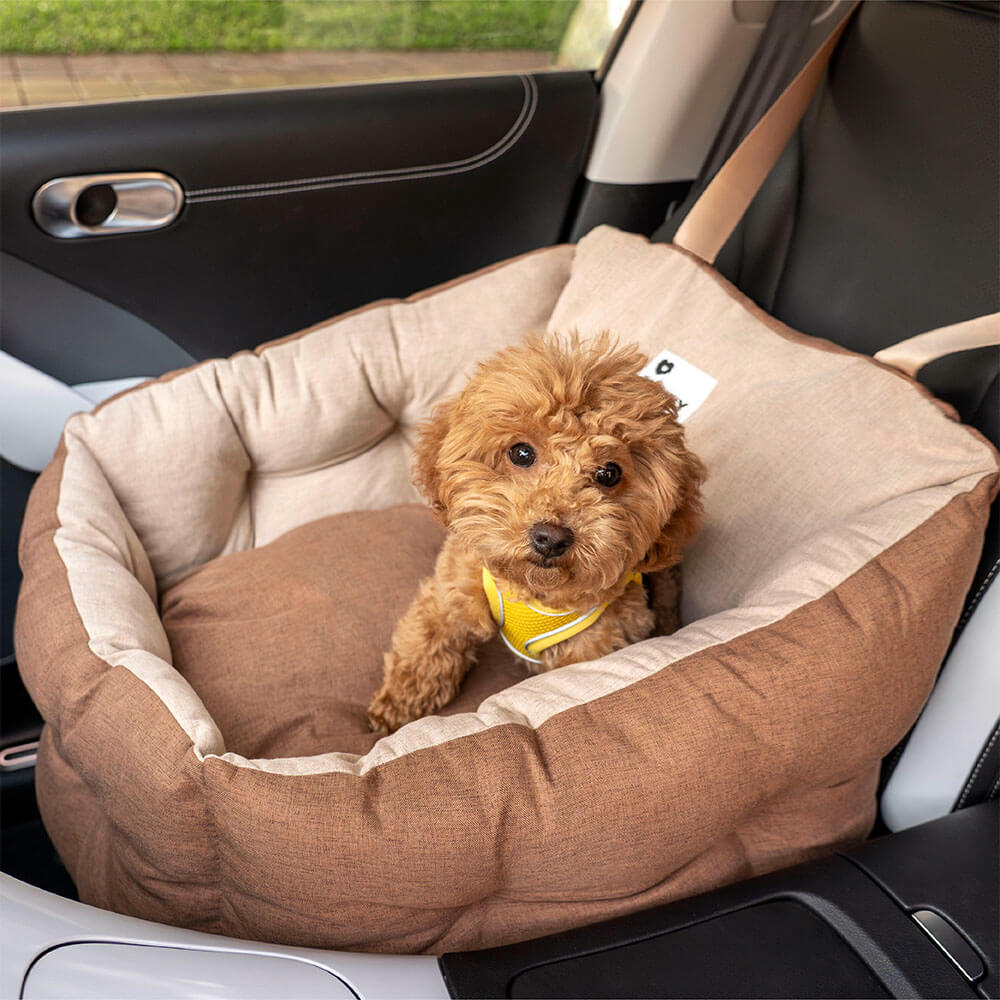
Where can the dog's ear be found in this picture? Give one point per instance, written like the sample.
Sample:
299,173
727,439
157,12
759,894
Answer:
683,524
426,457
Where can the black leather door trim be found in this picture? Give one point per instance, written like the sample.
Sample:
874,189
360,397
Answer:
233,271
473,162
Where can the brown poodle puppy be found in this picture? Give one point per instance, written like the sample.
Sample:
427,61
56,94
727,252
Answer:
562,475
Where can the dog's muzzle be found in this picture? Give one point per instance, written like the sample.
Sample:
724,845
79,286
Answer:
550,540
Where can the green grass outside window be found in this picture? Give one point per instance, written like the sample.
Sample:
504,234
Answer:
82,26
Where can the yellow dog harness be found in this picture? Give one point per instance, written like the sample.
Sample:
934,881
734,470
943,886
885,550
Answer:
528,629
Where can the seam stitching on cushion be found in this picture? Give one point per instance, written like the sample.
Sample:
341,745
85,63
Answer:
481,159
979,766
977,597
994,788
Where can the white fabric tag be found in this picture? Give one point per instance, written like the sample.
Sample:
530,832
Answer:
690,385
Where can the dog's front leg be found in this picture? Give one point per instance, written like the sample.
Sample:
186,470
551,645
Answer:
434,643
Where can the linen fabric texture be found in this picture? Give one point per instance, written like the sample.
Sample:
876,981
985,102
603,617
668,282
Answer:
240,794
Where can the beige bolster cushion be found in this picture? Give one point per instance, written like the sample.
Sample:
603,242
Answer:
224,782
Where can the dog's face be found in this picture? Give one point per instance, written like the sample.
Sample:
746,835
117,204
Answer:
561,469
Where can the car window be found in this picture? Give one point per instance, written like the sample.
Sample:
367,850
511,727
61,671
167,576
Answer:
75,51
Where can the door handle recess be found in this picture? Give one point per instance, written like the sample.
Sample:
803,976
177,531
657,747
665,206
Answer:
105,204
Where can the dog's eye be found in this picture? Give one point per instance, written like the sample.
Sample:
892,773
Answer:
608,475
522,454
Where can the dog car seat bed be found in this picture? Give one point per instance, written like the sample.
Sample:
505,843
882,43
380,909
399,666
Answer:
844,516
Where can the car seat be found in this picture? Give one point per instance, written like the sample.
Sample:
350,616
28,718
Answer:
881,220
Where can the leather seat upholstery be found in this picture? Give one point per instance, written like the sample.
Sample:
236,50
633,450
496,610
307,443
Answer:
882,218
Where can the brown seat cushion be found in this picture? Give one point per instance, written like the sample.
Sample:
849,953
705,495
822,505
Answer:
284,643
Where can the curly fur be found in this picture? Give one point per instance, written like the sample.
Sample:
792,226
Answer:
580,405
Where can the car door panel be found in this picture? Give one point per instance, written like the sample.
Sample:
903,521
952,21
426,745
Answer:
301,204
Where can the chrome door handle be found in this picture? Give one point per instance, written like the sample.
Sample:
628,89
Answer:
104,204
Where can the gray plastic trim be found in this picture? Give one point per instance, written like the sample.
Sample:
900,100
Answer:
34,408
946,742
108,971
74,335
34,922
667,90
98,392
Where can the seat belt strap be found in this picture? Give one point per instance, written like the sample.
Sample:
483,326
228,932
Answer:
910,355
715,215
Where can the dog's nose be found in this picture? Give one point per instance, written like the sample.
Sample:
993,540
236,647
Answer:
549,539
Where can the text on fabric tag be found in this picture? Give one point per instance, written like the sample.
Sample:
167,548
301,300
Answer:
690,385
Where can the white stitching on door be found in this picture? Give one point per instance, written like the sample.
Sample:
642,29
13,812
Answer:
501,146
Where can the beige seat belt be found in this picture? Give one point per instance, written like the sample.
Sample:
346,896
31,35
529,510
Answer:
718,211
912,354
715,215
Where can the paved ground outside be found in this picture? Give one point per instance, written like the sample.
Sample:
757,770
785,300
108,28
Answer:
38,80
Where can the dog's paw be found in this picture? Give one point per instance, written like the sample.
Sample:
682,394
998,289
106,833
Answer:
384,715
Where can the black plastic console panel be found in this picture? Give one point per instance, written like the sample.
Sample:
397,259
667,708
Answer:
951,866
842,927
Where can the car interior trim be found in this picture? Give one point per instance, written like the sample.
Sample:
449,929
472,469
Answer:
636,208
983,758
501,146
712,219
668,89
98,392
663,96
878,885
617,39
269,262
952,943
34,408
106,204
978,596
35,922
74,335
946,746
